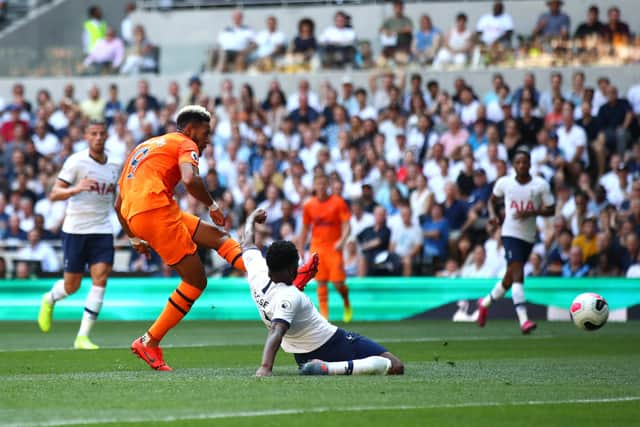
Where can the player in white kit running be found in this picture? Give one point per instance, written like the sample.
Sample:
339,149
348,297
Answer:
525,198
88,181
294,323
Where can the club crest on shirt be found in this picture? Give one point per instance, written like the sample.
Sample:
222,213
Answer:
194,156
286,305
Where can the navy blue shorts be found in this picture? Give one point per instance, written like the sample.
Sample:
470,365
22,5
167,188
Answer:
343,346
82,249
516,250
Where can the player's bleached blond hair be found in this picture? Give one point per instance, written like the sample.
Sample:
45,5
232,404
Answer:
192,113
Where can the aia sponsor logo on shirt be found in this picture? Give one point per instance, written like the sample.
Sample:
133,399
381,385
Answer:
103,188
521,206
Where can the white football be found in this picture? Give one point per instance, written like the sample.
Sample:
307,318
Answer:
589,311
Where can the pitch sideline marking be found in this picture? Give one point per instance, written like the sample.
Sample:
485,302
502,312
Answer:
275,412
383,340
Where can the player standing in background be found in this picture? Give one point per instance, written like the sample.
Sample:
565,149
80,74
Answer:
152,218
88,181
525,198
319,347
328,217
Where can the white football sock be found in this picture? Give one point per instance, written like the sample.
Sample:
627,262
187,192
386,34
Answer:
517,294
496,293
91,309
373,365
57,292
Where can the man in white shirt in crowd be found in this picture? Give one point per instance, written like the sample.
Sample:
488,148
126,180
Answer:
235,43
293,101
633,96
271,44
572,140
46,142
38,250
495,28
406,240
294,324
364,110
107,54
338,41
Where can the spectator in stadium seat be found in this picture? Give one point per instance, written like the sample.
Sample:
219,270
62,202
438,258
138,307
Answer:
592,28
141,115
271,45
93,107
458,43
495,28
235,43
618,31
554,23
13,235
426,41
17,92
555,91
304,46
46,143
37,250
141,55
95,29
304,113
558,254
374,244
106,56
396,34
360,218
151,102
572,141
615,118
8,128
455,137
293,101
575,266
586,240
126,25
406,240
529,91
435,229
338,43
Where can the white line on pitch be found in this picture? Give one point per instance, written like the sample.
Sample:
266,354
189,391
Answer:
151,418
259,342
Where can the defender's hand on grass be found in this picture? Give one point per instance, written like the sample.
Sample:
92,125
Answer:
263,372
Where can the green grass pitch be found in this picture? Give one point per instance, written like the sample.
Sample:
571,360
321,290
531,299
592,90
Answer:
456,374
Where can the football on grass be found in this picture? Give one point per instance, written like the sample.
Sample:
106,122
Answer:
589,311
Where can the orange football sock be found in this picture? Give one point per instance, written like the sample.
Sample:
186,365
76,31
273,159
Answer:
323,300
179,304
344,292
231,251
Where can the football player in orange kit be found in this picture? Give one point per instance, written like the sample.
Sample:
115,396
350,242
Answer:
151,218
327,215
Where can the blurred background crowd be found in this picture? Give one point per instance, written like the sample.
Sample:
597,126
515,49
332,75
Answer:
416,161
414,157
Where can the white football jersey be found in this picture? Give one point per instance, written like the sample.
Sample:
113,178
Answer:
88,212
521,198
308,330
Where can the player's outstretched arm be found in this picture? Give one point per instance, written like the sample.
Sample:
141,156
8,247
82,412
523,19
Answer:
258,216
196,187
62,190
277,331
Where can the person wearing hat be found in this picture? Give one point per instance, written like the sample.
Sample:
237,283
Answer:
553,23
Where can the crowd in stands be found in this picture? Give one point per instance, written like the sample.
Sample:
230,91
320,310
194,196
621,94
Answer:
415,161
401,41
106,52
